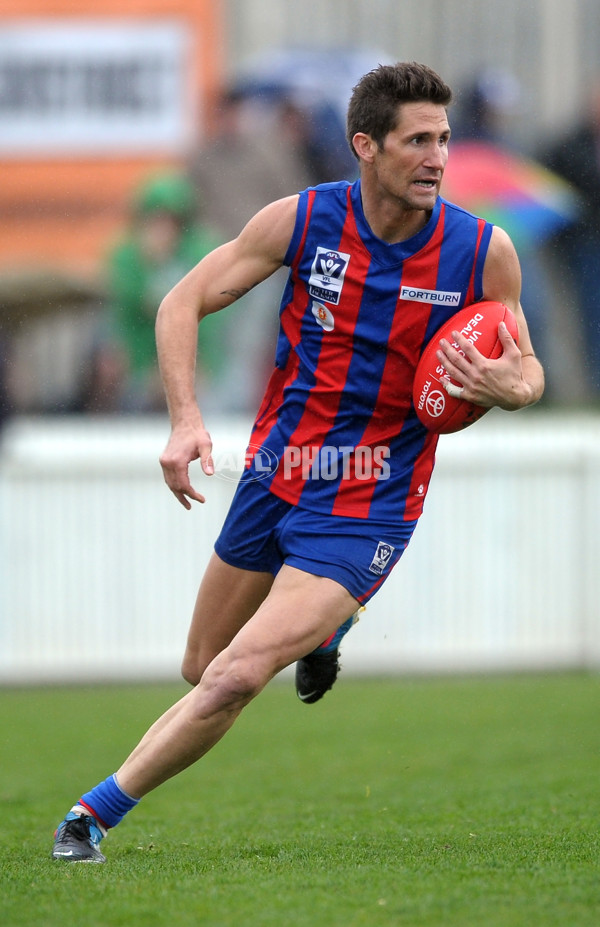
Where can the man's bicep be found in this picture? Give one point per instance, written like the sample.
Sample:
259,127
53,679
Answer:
502,271
220,278
231,270
502,282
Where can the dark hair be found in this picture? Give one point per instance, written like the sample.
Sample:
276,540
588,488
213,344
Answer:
374,104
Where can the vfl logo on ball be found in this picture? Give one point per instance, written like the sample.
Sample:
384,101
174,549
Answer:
381,560
435,403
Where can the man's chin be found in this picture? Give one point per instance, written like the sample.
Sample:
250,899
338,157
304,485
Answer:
424,199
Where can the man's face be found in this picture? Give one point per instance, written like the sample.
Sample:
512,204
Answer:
411,163
160,233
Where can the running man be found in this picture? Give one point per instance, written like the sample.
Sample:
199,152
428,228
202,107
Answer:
376,267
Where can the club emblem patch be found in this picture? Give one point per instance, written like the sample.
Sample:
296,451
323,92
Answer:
382,558
327,275
323,316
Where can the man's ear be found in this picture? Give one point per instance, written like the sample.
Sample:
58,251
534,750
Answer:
364,146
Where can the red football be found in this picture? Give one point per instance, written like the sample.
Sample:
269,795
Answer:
479,322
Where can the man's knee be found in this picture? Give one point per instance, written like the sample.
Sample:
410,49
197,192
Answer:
229,684
190,672
193,666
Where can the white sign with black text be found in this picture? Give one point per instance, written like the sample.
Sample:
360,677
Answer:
94,86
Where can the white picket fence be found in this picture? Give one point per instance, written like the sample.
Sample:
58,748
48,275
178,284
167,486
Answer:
99,564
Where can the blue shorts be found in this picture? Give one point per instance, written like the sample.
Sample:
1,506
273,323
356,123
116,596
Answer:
262,532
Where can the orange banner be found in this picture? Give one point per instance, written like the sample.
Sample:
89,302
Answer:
93,97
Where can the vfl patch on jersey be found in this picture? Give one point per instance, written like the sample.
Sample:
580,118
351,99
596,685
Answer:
327,275
417,295
323,316
382,558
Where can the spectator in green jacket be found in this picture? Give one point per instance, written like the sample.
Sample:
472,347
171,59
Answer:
164,241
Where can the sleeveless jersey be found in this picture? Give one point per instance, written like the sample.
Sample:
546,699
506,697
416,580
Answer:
337,417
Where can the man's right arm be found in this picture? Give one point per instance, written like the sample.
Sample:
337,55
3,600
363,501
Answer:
217,281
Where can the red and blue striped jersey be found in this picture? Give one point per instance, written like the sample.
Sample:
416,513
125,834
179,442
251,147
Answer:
355,316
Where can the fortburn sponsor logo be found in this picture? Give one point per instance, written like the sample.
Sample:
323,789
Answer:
417,295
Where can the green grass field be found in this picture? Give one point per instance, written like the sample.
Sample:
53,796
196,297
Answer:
452,802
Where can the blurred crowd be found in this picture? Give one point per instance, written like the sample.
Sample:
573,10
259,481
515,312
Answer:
265,146
556,229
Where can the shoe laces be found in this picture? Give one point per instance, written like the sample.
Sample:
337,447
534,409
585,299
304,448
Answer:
83,827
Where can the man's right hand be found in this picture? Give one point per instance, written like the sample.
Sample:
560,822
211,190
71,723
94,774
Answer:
186,444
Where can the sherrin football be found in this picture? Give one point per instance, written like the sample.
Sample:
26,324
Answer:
479,322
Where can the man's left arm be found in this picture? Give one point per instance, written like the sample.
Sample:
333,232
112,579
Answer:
516,378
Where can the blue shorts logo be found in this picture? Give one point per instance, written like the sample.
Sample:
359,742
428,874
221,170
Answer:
381,560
